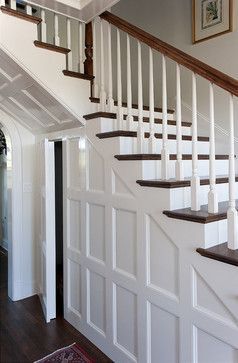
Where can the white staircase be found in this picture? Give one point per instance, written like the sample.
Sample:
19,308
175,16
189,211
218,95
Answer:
143,191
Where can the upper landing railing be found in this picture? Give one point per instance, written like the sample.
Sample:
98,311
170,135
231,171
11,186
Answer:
61,31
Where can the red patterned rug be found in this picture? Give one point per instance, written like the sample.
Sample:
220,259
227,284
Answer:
71,354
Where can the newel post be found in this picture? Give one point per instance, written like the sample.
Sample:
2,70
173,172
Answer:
88,63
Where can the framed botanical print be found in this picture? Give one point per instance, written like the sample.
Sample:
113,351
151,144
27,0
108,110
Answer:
211,18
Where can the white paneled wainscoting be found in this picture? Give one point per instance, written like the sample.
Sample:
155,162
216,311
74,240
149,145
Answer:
134,284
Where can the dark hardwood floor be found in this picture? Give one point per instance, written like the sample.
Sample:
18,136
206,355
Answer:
24,335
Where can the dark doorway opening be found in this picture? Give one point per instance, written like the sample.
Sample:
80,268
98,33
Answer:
59,228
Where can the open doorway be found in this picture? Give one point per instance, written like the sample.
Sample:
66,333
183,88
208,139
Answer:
5,211
59,226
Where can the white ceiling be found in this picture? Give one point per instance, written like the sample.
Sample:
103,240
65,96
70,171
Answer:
84,10
22,98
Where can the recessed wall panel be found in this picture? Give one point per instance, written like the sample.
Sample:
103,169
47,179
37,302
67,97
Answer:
210,349
98,301
74,164
164,336
95,170
126,320
74,224
125,241
163,259
74,281
96,231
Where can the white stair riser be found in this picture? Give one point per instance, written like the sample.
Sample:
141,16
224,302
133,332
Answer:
151,169
128,145
199,234
181,197
106,125
145,113
215,233
158,128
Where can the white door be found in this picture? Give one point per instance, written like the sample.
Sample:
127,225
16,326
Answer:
73,159
48,274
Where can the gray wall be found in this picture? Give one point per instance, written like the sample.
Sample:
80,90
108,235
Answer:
171,21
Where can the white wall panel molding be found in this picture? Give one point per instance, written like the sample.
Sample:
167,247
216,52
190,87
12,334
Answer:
163,302
162,260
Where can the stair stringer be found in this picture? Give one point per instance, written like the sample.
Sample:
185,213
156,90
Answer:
157,300
44,66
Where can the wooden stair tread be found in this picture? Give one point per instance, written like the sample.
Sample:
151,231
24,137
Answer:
135,106
51,47
20,15
124,157
201,216
98,114
173,183
113,115
220,253
124,133
77,75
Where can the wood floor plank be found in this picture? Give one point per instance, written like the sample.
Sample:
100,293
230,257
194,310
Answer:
24,334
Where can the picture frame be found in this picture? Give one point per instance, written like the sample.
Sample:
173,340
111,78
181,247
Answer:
211,18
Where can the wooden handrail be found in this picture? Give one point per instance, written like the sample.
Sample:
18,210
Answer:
202,69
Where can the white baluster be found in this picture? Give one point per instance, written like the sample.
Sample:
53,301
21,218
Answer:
102,64
95,71
13,4
56,23
212,195
140,130
232,220
130,118
29,9
69,55
195,180
43,27
179,162
164,151
119,85
80,64
151,104
110,100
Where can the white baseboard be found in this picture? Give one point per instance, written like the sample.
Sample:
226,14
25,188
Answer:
24,289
